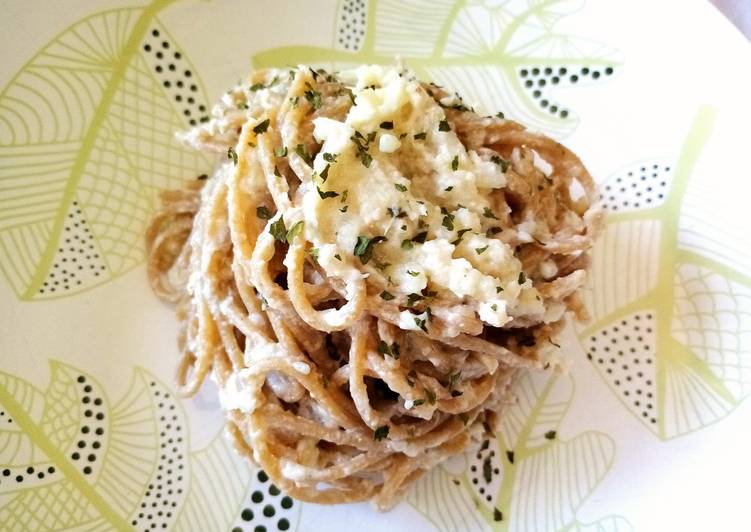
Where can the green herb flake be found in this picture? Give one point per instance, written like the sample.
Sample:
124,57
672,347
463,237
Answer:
262,127
329,157
497,514
344,209
387,125
487,213
338,257
493,231
407,244
498,289
313,252
459,237
363,243
381,432
418,402
420,136
294,231
413,298
430,394
550,435
389,350
482,250
327,194
257,87
313,97
281,152
364,247
455,163
522,278
387,296
443,125
454,379
263,213
422,324
345,194
555,344
487,470
278,230
419,238
300,150
413,274
494,307
464,417
202,177
411,377
276,172
503,163
449,189
448,222
232,154
400,188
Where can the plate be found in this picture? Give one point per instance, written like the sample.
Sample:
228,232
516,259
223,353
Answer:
647,431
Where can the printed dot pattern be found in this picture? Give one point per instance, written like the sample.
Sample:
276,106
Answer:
624,353
640,186
486,459
538,80
26,475
266,508
158,509
175,75
77,262
87,448
351,25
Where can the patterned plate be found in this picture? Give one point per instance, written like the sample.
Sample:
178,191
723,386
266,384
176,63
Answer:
648,431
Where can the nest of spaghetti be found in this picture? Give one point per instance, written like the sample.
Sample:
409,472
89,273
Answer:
365,273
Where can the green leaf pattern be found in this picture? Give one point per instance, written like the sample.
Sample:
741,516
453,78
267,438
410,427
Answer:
86,144
528,477
671,334
70,459
503,55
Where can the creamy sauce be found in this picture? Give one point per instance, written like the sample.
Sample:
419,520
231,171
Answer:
428,189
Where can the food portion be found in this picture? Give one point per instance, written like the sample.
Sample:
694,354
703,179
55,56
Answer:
367,271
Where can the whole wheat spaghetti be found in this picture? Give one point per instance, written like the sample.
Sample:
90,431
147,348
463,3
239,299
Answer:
366,272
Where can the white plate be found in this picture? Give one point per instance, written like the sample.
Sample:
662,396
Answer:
651,426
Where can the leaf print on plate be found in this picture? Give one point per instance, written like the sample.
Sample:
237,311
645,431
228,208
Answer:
503,56
86,144
71,458
671,329
527,477
444,501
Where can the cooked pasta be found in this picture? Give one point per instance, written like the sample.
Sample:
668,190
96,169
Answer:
366,272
